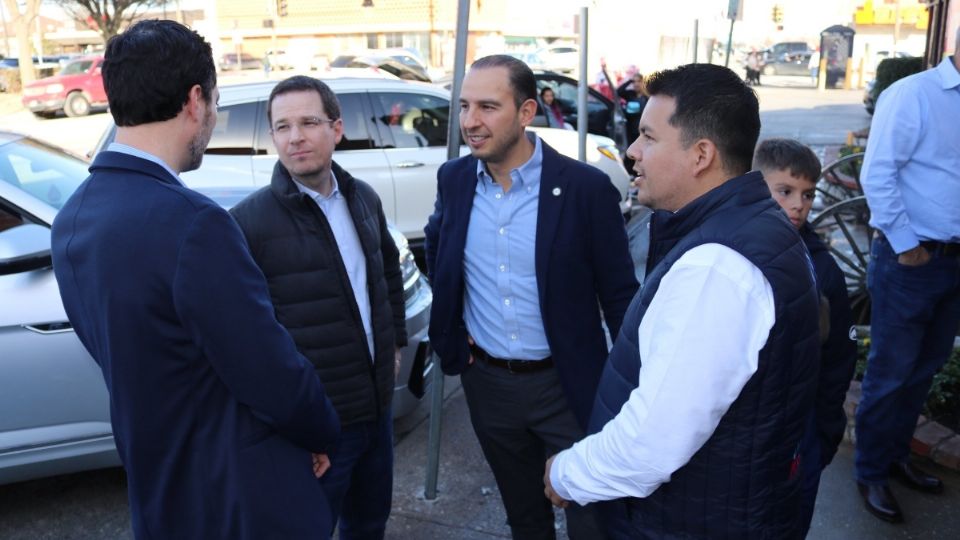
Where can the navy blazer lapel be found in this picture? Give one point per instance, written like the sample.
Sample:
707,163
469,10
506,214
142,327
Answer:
464,188
553,191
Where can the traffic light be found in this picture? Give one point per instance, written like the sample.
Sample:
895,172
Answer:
282,8
777,14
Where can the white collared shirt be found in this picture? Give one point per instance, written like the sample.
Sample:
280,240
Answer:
700,340
335,208
136,152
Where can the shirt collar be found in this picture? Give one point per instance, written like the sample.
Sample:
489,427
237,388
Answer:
316,195
525,173
949,75
136,152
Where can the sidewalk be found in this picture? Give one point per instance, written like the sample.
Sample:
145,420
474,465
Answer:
468,506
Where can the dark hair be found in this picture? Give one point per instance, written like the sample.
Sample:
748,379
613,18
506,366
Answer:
302,83
546,89
787,155
520,75
712,102
149,69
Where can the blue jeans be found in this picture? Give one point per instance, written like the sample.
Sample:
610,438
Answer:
915,314
359,483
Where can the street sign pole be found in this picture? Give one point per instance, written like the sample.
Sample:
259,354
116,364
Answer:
733,12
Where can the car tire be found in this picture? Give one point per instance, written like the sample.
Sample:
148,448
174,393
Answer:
769,70
76,105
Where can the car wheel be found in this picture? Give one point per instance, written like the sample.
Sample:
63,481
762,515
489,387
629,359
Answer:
76,105
769,70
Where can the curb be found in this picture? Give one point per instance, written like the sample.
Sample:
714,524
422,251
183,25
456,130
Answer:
931,440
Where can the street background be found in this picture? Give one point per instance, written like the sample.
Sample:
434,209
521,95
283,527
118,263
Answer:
93,505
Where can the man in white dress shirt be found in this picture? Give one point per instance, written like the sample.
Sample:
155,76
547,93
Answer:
701,406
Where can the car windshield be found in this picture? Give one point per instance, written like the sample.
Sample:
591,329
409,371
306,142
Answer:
43,171
76,68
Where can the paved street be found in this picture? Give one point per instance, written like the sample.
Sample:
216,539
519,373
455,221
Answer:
93,505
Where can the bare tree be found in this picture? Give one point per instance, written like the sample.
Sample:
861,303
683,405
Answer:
108,17
23,22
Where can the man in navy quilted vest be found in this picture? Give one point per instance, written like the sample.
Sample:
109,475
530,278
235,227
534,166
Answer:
699,414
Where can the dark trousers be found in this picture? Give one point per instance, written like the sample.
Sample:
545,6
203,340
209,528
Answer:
359,483
521,420
914,319
810,470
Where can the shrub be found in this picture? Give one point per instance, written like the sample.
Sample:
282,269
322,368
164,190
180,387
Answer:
891,70
10,80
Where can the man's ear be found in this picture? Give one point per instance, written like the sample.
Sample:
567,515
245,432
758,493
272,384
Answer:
195,105
705,156
528,109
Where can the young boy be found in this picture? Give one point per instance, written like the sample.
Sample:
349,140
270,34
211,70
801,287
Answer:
791,171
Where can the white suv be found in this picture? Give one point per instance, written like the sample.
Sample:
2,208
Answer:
394,138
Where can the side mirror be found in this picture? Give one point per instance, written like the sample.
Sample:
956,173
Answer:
24,248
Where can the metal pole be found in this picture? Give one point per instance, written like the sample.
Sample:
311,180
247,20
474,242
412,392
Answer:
582,116
696,39
726,62
453,151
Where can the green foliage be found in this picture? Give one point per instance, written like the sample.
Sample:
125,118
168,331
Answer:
891,70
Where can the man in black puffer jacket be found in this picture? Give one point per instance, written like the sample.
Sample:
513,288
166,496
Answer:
321,239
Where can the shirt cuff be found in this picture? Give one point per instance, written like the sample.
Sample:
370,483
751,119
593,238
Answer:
555,476
902,239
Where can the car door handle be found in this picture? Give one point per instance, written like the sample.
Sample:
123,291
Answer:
50,328
409,164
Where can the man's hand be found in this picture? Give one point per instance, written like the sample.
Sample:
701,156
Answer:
917,256
320,464
396,363
548,489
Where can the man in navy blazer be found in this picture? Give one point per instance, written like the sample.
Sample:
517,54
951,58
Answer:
214,412
523,250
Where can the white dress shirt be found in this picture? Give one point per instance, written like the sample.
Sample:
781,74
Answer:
699,342
335,208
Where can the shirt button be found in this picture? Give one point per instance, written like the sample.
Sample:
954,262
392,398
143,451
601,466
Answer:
513,337
502,231
503,268
498,195
506,301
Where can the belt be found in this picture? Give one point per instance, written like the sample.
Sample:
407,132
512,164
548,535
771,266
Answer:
942,249
513,366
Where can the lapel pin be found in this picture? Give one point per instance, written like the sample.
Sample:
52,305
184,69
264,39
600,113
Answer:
556,192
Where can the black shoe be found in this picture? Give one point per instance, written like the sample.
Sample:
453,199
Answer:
880,502
914,478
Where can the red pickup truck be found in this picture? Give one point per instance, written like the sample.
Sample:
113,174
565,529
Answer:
76,90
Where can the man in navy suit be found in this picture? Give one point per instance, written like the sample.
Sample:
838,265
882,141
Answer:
214,412
524,249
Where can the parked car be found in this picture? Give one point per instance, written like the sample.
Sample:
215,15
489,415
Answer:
604,116
229,61
789,63
562,58
76,90
55,405
394,137
403,67
776,51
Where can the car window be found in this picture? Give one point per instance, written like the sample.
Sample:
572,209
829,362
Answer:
356,135
233,134
49,176
10,218
413,120
76,68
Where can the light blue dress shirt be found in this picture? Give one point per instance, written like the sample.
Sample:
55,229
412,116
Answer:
501,297
136,152
335,208
911,172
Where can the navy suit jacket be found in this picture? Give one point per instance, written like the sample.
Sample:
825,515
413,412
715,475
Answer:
214,412
582,264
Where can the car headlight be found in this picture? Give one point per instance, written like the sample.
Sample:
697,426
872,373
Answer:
55,88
